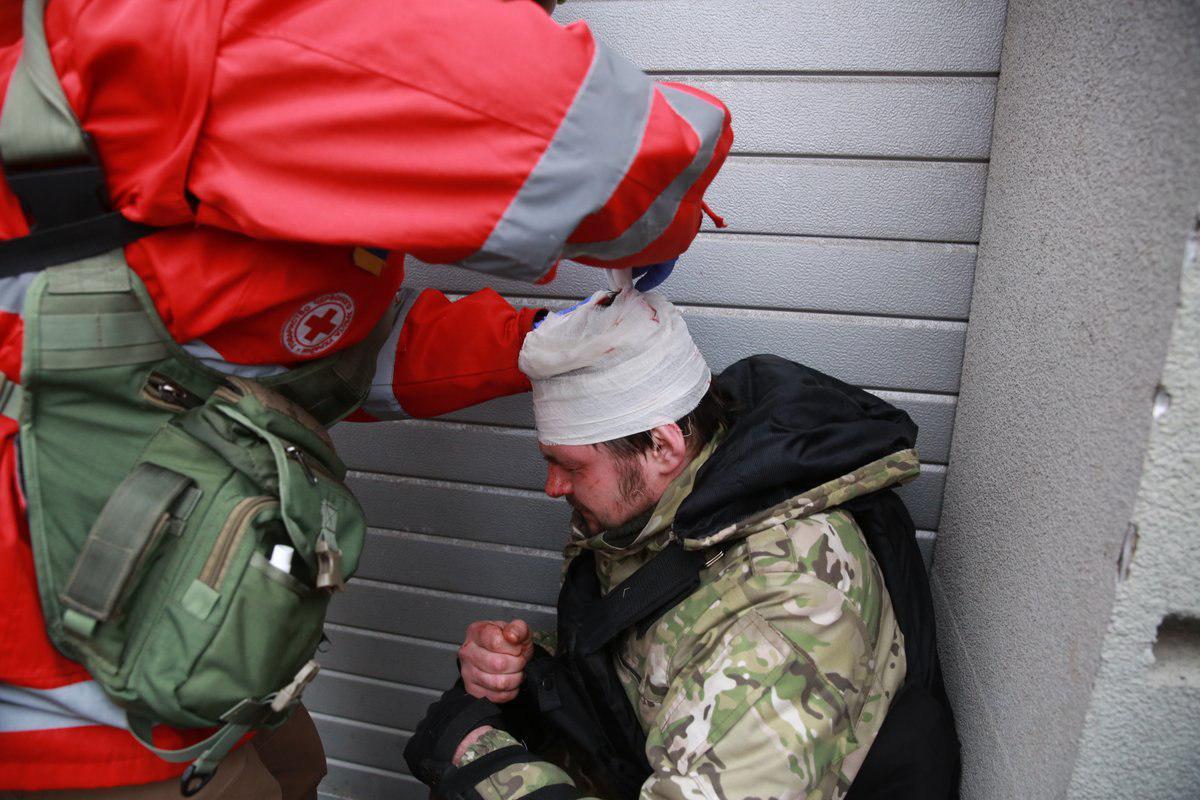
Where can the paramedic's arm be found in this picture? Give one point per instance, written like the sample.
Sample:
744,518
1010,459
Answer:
479,133
443,355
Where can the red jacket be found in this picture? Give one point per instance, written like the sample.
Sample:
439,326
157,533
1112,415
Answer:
275,136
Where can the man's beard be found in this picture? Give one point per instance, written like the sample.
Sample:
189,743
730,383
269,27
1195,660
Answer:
630,483
631,488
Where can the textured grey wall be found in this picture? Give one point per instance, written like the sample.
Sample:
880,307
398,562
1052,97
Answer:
1093,185
1141,732
854,194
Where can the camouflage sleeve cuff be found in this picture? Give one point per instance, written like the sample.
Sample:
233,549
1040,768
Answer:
489,742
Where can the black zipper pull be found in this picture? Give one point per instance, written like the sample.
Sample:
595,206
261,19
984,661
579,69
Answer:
170,392
297,455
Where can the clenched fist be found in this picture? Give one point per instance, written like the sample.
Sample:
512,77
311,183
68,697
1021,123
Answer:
492,659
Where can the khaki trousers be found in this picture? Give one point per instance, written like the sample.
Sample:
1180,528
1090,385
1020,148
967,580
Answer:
285,764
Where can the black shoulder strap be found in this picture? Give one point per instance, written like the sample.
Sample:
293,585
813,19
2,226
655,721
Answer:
69,218
641,598
889,533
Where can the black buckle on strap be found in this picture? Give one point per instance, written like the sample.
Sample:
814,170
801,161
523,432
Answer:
66,206
190,783
55,193
59,195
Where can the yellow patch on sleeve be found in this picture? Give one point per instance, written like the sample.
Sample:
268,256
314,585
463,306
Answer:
364,259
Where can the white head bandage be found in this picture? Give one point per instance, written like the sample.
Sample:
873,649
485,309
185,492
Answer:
603,372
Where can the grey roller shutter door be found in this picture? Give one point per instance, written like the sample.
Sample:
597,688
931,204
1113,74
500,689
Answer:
855,193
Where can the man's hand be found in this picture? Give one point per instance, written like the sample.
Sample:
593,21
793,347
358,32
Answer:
492,659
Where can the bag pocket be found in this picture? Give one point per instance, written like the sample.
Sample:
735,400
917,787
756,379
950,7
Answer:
120,565
239,628
266,623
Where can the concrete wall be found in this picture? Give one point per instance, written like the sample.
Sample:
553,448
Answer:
1093,187
1141,732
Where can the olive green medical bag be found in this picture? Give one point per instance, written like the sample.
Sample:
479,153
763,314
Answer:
158,492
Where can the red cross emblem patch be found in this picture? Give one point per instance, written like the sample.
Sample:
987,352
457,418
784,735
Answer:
319,324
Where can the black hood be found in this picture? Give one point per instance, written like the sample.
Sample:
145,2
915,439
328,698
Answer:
793,428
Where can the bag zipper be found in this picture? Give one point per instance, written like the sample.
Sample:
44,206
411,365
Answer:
297,455
166,393
309,463
213,572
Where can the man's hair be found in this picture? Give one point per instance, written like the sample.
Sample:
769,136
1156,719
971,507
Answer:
698,428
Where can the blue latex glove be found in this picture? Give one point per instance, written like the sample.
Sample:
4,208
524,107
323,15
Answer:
646,278
562,313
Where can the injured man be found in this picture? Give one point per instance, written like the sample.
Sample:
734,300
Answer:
744,611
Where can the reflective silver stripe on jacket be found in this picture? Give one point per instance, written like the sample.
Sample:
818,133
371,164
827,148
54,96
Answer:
592,150
13,291
73,706
708,121
381,401
209,357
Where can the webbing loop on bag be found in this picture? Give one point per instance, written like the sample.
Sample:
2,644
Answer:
128,527
207,754
104,330
92,317
239,720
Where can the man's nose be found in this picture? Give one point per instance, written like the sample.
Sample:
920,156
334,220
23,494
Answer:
557,484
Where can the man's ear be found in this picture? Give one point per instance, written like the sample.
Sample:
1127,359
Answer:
669,453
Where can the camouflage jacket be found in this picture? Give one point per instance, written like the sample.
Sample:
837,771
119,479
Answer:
770,680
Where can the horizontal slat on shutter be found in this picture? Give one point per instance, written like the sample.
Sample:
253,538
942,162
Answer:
369,699
462,455
862,198
526,518
350,781
934,415
415,610
801,35
906,279
908,355
400,659
508,516
368,744
881,352
903,117
430,562
401,598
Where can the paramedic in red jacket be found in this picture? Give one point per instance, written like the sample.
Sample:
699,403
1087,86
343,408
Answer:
271,137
